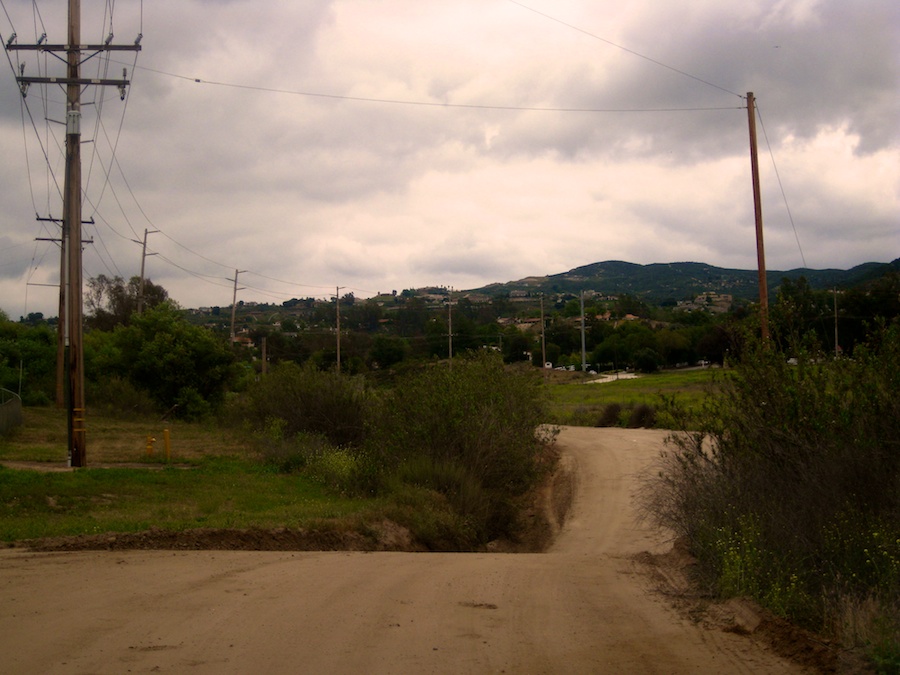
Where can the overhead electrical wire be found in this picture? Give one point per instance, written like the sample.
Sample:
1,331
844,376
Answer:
210,279
781,186
626,49
433,104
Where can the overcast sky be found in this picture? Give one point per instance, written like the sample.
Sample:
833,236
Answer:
379,145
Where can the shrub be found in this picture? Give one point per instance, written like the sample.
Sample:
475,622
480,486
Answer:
476,416
462,490
610,415
309,401
117,396
789,490
465,441
642,416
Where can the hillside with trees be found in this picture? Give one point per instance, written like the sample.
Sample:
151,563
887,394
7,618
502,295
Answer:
184,361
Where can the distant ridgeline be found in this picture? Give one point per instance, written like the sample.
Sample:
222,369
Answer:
667,281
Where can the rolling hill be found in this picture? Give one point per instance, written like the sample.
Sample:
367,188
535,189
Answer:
658,282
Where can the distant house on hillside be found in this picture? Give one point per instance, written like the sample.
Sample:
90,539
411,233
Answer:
714,303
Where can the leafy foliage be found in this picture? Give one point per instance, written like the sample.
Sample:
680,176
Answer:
111,301
306,400
180,366
790,489
28,358
461,441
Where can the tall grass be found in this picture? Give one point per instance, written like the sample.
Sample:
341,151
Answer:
788,489
614,403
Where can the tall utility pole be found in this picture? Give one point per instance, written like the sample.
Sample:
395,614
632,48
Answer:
337,306
71,232
757,210
583,354
837,347
234,301
61,327
140,303
543,336
450,327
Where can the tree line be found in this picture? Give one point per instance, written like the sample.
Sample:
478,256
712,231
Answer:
169,359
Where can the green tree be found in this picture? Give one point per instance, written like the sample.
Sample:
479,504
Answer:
28,360
387,351
516,345
179,365
111,301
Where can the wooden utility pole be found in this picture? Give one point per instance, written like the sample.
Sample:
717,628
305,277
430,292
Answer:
543,337
837,347
140,302
71,231
61,329
450,327
234,302
583,353
337,305
61,324
757,210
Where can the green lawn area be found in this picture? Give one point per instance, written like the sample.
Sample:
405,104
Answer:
581,403
214,480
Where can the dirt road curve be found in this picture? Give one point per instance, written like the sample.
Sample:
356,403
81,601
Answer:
580,608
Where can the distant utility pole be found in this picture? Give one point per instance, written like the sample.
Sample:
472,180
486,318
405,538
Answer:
837,347
583,354
140,303
543,336
75,56
337,306
757,210
450,326
234,301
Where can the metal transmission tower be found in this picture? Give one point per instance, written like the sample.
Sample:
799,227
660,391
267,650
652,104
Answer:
76,54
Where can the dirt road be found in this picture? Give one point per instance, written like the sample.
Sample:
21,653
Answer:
580,608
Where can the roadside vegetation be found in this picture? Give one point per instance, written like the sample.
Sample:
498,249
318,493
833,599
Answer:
448,454
787,488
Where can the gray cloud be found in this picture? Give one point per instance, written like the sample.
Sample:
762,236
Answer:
241,171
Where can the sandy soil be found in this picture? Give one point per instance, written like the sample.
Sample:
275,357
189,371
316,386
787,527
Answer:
599,601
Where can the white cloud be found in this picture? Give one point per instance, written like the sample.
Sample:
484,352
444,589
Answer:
320,191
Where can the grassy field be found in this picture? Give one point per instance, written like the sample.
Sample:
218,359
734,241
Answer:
576,401
214,480
215,477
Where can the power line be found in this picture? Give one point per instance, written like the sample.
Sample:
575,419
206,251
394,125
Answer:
435,104
626,49
781,186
